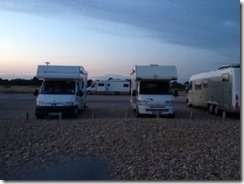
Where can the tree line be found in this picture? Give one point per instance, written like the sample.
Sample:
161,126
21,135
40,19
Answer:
20,82
36,82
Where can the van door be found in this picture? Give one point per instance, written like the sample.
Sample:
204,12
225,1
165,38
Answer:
80,95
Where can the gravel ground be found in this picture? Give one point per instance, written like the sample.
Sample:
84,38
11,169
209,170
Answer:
120,149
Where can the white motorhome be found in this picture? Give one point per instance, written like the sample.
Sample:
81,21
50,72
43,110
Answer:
217,90
110,86
63,90
151,91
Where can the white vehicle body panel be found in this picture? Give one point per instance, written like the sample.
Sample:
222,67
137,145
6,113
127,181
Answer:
110,87
219,88
150,89
63,89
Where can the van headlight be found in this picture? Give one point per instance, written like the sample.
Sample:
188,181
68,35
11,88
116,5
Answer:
143,102
38,103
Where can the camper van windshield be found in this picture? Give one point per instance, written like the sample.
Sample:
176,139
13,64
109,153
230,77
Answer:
155,87
58,87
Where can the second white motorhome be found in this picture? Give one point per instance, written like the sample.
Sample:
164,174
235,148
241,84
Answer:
217,90
151,90
63,90
110,86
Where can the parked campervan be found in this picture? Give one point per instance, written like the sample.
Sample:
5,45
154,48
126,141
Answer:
110,86
63,90
217,90
151,91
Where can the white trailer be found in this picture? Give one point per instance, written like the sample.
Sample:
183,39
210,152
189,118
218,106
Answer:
111,86
63,90
151,91
217,90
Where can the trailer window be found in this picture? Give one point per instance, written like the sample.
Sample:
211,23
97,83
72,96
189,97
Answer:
225,77
205,84
198,86
58,87
155,87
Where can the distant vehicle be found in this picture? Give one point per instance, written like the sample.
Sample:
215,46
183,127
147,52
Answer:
151,90
217,90
63,90
111,86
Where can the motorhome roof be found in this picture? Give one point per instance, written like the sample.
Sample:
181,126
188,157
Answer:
64,72
229,66
154,72
214,73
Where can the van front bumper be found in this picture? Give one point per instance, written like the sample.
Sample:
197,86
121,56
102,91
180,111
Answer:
154,110
42,111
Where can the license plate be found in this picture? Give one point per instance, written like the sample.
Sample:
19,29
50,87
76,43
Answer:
53,113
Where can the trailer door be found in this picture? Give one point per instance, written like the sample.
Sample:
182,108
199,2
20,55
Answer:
227,91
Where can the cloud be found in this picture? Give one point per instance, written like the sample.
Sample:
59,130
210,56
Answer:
208,24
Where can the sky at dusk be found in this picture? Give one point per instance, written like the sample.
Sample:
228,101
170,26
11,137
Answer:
111,36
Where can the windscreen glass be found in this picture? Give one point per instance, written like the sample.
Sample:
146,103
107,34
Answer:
58,87
155,87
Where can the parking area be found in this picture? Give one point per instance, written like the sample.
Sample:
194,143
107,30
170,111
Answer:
21,106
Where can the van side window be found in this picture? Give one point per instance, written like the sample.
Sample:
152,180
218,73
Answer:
225,77
126,85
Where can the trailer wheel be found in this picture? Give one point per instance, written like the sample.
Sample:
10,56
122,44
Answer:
216,110
188,103
210,108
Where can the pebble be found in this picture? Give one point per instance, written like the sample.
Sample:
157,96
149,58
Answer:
120,149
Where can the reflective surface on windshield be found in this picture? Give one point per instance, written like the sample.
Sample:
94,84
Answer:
155,87
58,87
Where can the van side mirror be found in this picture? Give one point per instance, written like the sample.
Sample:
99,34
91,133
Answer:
80,93
36,92
134,93
176,93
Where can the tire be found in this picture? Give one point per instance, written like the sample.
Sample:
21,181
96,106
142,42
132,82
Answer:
138,114
188,103
210,108
216,110
39,115
76,113
171,115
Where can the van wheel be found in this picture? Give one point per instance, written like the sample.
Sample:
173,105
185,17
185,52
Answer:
76,112
171,115
210,109
138,114
39,115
